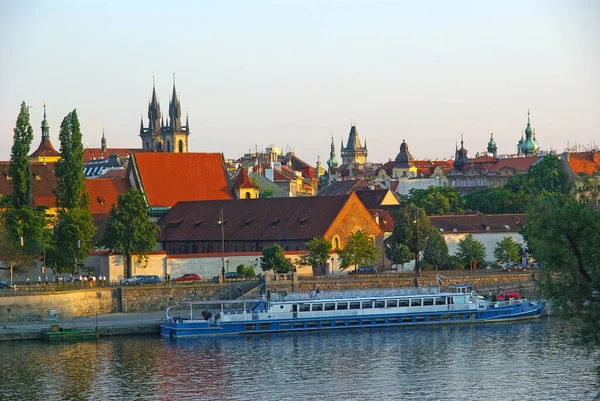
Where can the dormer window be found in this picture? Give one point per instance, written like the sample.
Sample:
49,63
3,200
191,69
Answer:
198,223
247,223
101,200
506,227
303,221
275,222
174,223
38,177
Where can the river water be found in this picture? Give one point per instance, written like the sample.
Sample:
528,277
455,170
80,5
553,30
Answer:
514,361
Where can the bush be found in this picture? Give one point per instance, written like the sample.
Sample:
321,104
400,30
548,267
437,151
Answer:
246,271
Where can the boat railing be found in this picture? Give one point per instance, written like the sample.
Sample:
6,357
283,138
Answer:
389,292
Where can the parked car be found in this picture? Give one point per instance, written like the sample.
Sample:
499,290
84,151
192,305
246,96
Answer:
364,270
233,275
4,285
508,295
188,277
149,280
132,280
513,267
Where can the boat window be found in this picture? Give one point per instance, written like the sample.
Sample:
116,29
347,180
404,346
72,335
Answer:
312,324
354,305
391,303
353,322
459,316
406,319
419,318
380,321
342,306
433,318
330,306
415,302
265,326
445,317
427,301
304,308
367,321
284,326
326,323
299,325
367,304
394,319
250,327
403,302
440,301
317,307
380,304
459,300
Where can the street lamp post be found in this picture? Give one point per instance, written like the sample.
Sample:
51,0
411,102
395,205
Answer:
222,222
417,247
332,265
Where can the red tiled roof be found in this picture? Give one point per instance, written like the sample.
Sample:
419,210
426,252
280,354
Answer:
168,178
104,192
265,219
386,222
96,153
479,222
242,180
45,149
42,180
517,163
587,163
483,159
115,173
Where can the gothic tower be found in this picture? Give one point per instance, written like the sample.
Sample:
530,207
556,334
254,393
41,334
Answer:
354,152
175,136
151,138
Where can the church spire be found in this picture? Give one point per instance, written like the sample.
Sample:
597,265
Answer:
333,162
187,122
154,110
174,109
45,126
103,142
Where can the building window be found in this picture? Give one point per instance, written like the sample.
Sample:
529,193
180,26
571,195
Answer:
180,146
168,145
336,243
247,195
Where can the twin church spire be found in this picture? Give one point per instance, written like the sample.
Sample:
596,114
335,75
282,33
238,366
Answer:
169,137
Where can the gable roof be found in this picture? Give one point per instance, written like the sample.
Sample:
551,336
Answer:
479,222
168,178
265,183
372,199
584,163
518,163
343,187
43,182
242,180
104,192
386,221
270,219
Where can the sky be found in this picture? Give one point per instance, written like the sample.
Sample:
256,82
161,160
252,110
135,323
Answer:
295,73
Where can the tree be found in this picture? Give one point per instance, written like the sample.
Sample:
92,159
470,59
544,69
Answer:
412,228
74,230
398,254
24,233
471,251
318,253
507,251
546,176
436,200
20,174
129,228
436,250
495,201
563,235
274,259
267,192
246,271
359,250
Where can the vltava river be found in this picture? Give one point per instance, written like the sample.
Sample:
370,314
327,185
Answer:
517,361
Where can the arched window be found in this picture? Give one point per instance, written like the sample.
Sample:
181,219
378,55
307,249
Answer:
180,146
159,145
248,195
168,145
336,243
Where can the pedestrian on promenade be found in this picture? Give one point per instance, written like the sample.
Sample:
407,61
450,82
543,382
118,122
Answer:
100,279
104,281
39,280
93,280
45,279
28,282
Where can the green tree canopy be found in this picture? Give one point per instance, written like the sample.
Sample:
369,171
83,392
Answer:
495,201
129,229
546,176
436,250
507,251
74,230
318,253
359,250
471,251
398,254
20,174
24,228
436,200
274,259
564,237
412,228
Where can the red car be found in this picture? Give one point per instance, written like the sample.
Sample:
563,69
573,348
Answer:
188,277
508,295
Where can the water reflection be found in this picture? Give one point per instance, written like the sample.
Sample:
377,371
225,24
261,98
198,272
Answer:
524,361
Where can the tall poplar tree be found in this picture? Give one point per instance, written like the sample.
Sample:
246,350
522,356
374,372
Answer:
74,230
23,234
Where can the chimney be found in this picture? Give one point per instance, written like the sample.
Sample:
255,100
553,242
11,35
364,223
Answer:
376,216
269,174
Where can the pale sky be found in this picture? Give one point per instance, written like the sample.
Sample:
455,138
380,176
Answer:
291,73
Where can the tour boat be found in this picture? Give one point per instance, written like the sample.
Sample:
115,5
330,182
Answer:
342,310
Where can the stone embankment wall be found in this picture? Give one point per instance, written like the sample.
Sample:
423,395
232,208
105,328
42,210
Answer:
28,307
